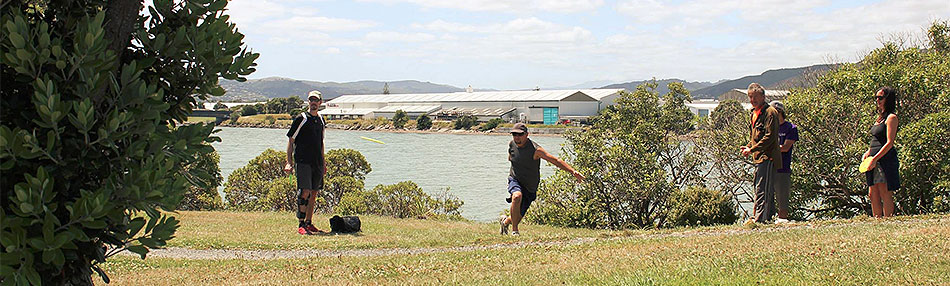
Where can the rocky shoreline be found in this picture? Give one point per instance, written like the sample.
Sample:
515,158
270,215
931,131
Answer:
496,131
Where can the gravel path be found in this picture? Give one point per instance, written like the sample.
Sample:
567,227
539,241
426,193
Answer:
212,254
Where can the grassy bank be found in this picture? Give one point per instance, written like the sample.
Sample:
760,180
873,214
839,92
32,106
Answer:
277,230
903,251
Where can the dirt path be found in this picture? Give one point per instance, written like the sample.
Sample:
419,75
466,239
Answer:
184,253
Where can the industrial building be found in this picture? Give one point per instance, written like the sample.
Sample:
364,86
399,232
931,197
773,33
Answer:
532,106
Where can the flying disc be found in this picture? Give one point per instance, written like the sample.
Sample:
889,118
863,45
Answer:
866,164
372,140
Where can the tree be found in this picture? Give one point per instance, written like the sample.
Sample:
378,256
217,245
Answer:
400,119
204,194
220,106
92,147
465,122
423,122
834,118
633,161
249,110
491,124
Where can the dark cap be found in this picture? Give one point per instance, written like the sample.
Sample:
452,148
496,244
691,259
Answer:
519,128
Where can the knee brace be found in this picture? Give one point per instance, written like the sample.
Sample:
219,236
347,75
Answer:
301,204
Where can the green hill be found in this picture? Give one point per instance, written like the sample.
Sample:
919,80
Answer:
777,79
272,87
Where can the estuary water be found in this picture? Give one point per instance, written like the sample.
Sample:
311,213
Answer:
474,167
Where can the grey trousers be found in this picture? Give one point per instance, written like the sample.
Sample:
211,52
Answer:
763,183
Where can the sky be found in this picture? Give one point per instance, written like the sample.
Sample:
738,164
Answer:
521,44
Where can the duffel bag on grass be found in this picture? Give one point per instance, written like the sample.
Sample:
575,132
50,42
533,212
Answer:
346,224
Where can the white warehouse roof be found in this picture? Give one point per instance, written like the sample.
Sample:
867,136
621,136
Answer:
481,96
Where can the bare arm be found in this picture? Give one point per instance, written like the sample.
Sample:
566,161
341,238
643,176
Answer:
891,123
787,145
543,154
290,155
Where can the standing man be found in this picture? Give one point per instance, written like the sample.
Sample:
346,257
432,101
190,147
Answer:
787,135
764,148
525,175
305,148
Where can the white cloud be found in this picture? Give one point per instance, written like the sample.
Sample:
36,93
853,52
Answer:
515,6
389,36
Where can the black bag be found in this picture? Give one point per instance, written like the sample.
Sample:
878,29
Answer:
346,224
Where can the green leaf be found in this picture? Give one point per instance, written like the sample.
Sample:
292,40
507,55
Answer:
17,40
138,249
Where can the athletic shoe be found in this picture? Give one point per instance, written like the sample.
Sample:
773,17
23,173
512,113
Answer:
782,221
515,233
312,228
504,227
303,231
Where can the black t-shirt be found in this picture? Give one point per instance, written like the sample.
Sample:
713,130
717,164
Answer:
308,139
524,167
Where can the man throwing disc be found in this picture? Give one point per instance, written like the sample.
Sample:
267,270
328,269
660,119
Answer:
525,175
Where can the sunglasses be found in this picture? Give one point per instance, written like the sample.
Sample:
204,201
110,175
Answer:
314,100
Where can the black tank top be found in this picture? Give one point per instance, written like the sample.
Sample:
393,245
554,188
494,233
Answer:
524,167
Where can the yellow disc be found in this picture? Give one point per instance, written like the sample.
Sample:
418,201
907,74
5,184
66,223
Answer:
372,140
866,164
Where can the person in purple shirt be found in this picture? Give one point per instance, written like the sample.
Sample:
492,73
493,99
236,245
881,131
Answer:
787,135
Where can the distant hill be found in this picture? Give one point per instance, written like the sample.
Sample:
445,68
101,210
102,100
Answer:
661,85
265,88
777,79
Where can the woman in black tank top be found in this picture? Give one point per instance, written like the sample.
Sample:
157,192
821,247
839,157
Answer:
883,177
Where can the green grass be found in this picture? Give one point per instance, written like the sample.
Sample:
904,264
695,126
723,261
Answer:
200,119
900,251
277,230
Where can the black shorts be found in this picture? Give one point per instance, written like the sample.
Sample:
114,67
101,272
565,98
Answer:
526,197
308,177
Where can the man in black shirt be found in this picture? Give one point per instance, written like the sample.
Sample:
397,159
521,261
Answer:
524,176
305,148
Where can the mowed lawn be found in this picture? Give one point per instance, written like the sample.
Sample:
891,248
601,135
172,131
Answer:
278,230
899,251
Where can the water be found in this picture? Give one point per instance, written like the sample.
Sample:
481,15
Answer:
473,167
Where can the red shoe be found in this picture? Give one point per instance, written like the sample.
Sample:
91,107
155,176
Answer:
303,231
312,229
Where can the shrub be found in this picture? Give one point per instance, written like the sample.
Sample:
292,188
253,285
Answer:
625,156
465,122
491,124
699,207
925,165
270,119
234,117
423,122
92,150
263,185
247,110
400,200
220,106
203,195
400,119
249,185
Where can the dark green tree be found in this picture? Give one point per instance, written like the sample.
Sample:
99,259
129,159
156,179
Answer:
465,122
92,150
423,122
400,119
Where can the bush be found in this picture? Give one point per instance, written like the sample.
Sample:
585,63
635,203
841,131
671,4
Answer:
423,122
247,186
203,195
247,110
400,200
625,156
400,119
263,185
925,165
270,119
465,122
92,148
220,106
234,117
699,207
491,124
